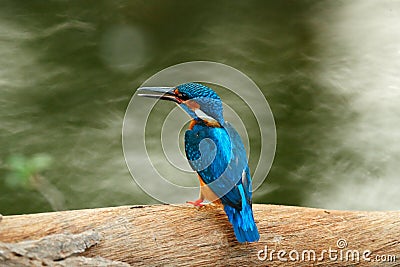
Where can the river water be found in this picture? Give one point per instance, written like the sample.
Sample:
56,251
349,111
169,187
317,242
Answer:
329,71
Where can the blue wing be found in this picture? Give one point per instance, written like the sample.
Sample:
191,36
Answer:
238,166
219,156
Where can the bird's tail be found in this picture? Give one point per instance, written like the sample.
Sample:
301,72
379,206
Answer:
243,223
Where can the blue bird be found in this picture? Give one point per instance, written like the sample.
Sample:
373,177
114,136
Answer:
216,152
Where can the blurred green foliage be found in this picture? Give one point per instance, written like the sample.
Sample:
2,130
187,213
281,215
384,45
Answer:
24,170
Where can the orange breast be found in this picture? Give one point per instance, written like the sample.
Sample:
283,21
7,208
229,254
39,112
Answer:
207,193
192,123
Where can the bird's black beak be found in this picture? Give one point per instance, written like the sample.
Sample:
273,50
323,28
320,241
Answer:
164,93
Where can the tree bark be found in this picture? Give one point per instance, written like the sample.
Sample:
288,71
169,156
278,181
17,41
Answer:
181,235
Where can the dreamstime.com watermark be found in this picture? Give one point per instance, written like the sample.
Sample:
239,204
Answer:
341,253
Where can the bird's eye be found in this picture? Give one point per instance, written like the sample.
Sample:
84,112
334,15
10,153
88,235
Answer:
183,96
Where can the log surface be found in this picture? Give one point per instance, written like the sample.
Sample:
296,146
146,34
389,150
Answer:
54,250
182,235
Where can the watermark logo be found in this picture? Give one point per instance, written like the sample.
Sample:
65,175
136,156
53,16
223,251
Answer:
153,130
341,243
340,253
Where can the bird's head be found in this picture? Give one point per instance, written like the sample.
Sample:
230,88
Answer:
198,100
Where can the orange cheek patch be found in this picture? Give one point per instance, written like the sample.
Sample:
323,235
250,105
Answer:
193,105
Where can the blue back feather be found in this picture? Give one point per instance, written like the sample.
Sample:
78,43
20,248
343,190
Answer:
217,154
219,157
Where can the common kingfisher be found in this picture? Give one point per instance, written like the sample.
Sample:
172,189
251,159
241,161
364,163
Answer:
216,152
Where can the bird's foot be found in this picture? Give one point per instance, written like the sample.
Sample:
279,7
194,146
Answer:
196,203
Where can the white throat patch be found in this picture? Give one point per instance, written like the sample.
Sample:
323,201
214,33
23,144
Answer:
204,116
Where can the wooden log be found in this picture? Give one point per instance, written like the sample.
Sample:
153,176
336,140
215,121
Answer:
181,235
54,250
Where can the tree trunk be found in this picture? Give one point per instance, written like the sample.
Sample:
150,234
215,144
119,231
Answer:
182,235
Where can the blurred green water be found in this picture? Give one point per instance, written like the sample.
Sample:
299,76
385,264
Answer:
69,69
